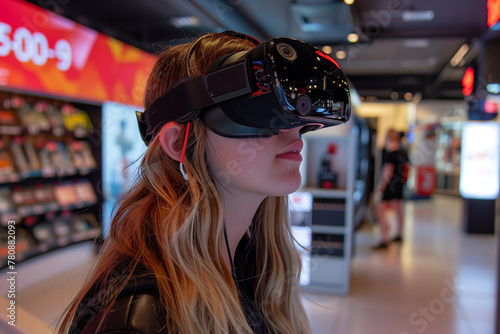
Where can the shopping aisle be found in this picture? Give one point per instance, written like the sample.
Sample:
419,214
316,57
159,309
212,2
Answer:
45,286
439,281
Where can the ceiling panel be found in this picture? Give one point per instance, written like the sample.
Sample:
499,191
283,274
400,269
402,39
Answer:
393,53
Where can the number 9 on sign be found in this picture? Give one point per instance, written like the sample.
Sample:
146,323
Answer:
34,47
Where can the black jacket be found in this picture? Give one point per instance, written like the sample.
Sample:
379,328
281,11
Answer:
136,308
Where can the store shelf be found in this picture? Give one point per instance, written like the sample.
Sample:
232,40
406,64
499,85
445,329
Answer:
325,193
327,229
49,174
332,208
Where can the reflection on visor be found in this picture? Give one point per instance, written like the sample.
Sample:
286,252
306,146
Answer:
314,94
306,82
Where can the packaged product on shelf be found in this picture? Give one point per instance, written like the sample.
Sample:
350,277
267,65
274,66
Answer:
327,177
8,209
9,123
25,245
66,195
27,115
26,202
20,157
76,120
26,157
8,171
85,192
81,156
61,226
84,227
56,121
45,195
47,168
42,121
33,160
44,236
59,158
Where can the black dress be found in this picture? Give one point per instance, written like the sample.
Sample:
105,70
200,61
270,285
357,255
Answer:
399,159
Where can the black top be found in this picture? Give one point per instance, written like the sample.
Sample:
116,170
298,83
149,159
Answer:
399,159
136,308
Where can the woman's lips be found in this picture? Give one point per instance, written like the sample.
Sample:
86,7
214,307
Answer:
291,155
292,152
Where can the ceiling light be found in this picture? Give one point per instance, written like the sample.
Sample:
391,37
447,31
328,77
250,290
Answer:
327,49
459,55
340,54
185,21
417,98
348,2
352,37
417,15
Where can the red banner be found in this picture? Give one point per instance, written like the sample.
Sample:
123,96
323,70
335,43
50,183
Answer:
426,180
42,52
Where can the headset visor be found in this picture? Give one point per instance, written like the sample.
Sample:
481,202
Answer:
279,84
293,84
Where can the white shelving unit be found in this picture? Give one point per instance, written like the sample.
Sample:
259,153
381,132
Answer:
332,215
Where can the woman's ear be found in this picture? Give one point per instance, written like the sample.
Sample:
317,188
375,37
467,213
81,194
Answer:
170,141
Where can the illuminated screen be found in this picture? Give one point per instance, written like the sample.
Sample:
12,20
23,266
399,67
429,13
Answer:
122,148
480,166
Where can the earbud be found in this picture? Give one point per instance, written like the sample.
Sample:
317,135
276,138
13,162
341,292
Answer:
183,172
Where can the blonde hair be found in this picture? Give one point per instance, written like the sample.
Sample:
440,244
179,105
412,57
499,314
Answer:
176,229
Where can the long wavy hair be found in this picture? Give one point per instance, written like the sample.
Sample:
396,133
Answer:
176,229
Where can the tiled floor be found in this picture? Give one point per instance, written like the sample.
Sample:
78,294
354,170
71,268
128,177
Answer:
439,281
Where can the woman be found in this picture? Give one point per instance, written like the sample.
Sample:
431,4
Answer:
204,246
393,177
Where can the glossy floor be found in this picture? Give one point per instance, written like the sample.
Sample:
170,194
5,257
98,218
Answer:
438,281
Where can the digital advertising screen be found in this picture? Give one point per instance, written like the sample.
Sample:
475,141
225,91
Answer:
480,160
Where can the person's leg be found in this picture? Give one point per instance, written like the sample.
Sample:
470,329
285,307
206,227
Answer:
397,206
381,210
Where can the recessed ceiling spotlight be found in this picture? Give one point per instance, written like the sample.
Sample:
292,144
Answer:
348,2
352,37
340,54
327,49
408,96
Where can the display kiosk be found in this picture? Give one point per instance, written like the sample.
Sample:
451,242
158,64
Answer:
332,206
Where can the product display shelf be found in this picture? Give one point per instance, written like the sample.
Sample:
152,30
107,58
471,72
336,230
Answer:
49,173
332,212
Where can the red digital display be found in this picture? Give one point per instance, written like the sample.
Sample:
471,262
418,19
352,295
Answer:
493,11
468,81
490,107
43,52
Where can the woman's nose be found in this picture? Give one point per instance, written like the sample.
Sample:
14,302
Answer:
292,131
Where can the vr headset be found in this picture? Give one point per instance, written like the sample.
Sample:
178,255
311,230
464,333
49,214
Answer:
281,83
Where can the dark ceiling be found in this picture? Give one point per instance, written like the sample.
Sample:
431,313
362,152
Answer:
404,45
